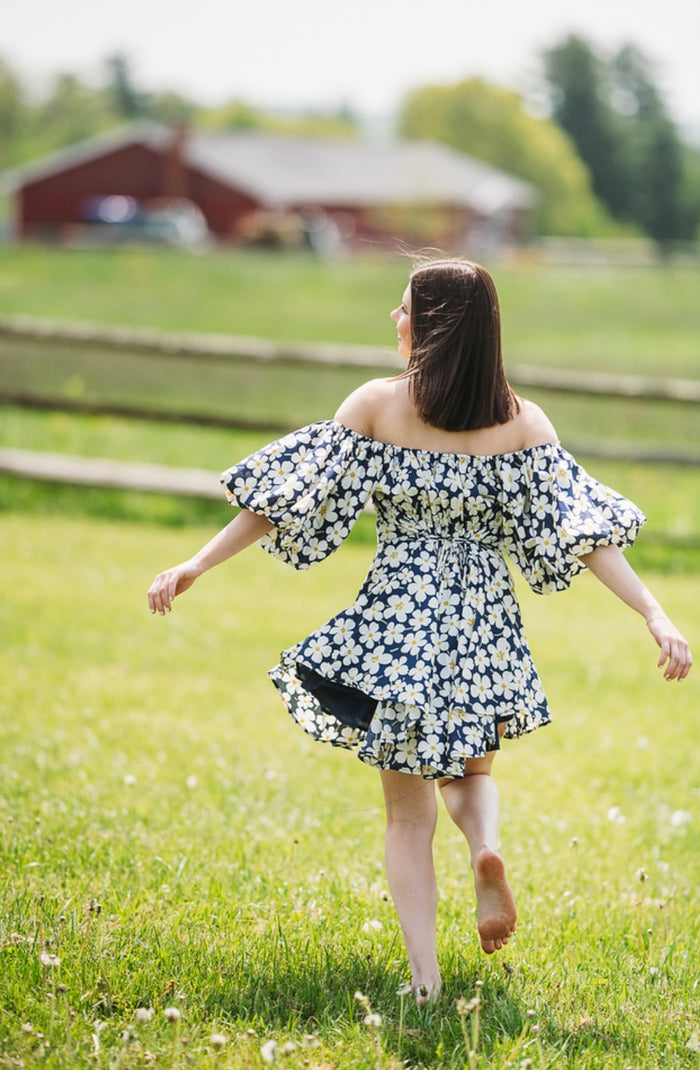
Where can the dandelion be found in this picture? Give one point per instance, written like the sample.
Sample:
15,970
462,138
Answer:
172,1014
310,1040
49,960
143,1015
129,780
404,989
679,818
288,1047
373,1020
616,815
641,874
694,1043
217,1040
268,1051
27,1027
373,924
362,999
192,782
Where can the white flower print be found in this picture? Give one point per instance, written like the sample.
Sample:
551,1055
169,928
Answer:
398,606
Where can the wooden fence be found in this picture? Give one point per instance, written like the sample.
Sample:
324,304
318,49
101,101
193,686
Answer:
226,348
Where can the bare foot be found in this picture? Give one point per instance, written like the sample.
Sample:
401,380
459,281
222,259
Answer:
496,905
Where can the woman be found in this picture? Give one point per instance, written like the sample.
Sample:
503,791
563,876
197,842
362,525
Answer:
430,667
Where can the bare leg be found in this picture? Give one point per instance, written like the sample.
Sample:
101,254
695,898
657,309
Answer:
473,804
411,814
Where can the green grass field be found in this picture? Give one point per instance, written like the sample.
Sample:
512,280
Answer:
639,320
187,879
171,840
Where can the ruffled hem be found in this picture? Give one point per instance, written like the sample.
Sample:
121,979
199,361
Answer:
391,734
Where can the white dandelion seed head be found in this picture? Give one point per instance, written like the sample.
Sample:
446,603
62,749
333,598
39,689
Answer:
288,1047
373,924
143,1015
172,1014
192,782
268,1051
404,989
616,815
217,1040
373,1020
129,780
680,818
49,960
641,874
694,1043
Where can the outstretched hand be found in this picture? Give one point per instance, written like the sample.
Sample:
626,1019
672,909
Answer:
167,585
675,652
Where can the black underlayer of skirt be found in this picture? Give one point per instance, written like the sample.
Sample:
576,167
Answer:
350,706
353,707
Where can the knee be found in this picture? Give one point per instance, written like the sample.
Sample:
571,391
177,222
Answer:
418,822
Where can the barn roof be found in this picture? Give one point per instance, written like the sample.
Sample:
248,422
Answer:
284,171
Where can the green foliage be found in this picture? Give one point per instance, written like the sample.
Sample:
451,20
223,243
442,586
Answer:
616,117
171,840
73,110
237,115
492,124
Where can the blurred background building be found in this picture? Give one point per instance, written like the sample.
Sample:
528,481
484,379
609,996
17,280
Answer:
152,182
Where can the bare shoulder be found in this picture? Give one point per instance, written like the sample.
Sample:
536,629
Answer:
535,426
358,411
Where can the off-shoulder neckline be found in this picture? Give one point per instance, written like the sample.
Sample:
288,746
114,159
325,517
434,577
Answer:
449,453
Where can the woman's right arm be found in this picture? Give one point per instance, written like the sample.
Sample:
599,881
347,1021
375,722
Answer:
245,529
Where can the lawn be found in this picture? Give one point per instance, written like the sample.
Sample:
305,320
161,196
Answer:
637,320
187,878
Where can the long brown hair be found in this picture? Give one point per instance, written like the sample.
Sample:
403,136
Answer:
456,377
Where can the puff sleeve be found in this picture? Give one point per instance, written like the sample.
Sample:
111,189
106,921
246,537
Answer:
556,513
311,484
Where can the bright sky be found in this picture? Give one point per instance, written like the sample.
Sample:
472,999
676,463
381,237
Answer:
324,53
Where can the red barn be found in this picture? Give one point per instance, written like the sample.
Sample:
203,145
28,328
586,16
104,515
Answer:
261,187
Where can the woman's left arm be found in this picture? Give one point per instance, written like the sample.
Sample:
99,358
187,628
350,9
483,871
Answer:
609,565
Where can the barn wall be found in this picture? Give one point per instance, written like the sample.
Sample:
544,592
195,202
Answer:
52,203
50,208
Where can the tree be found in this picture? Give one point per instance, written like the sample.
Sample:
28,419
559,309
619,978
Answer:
576,81
492,124
128,101
72,112
616,117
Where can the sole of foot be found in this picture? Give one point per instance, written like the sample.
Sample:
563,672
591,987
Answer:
496,905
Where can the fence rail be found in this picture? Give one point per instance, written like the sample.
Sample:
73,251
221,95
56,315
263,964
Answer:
217,347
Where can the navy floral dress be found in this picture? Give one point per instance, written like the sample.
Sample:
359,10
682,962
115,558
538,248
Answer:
431,657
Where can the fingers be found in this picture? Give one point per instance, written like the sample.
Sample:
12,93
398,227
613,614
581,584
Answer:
162,592
675,656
